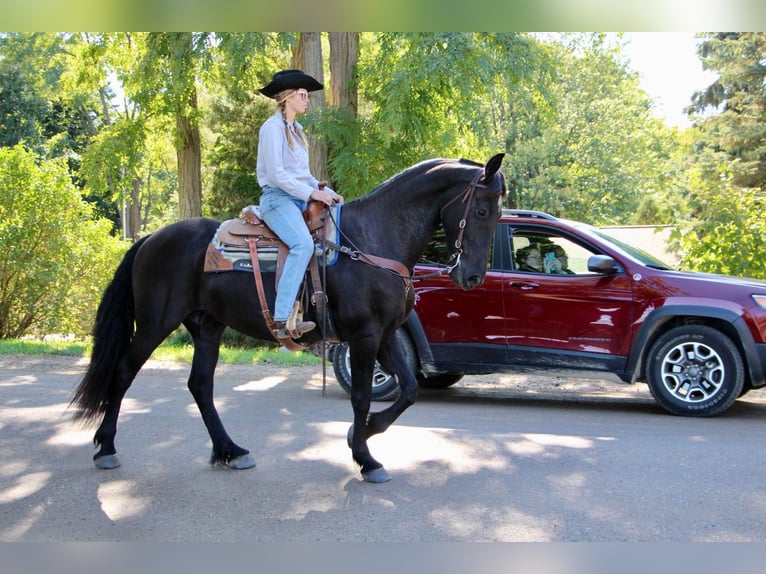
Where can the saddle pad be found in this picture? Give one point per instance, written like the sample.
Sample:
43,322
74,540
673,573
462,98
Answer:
219,258
229,251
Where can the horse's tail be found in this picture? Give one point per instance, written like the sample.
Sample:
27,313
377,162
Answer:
112,333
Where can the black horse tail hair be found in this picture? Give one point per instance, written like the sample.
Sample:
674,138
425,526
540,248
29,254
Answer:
112,333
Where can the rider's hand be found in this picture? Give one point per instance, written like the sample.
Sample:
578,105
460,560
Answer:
326,196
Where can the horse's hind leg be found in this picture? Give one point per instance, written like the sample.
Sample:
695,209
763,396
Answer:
131,362
206,333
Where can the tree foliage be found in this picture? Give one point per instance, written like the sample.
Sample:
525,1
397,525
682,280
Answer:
22,111
738,128
723,229
592,151
37,107
235,114
427,95
233,184
55,257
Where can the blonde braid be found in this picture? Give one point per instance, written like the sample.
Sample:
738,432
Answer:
281,98
301,136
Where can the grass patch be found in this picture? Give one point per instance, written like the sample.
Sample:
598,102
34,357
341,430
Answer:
44,347
170,350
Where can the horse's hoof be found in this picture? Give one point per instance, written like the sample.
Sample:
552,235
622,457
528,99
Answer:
350,435
241,462
376,475
107,462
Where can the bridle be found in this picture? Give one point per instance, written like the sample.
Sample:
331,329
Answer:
467,198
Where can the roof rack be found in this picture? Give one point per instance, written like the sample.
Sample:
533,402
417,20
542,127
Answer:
529,213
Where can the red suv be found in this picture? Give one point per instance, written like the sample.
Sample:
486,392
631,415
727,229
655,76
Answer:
597,305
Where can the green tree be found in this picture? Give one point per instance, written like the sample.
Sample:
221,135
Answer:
233,154
426,95
235,111
22,111
127,164
591,150
722,226
731,112
54,259
169,76
36,107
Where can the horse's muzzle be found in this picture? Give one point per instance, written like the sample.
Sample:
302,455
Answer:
467,282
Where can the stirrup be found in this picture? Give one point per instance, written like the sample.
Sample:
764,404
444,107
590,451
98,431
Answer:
282,330
295,326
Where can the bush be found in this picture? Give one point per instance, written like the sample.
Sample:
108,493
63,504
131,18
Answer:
55,259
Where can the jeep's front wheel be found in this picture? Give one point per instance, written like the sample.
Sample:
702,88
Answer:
384,386
695,370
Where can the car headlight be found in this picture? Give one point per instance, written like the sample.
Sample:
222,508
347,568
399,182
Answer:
760,300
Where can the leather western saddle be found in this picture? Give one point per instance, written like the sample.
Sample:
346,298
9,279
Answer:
249,233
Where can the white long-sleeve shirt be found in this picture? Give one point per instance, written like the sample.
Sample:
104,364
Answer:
281,166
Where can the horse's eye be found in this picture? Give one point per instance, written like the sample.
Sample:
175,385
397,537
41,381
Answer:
482,212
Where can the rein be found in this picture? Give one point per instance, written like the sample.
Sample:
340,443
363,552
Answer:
390,265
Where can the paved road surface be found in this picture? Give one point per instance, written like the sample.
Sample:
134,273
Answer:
494,458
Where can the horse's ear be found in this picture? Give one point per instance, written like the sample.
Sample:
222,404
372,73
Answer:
493,165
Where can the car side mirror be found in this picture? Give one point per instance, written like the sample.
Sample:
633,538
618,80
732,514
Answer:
602,264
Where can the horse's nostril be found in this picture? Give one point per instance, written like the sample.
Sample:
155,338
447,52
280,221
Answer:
472,281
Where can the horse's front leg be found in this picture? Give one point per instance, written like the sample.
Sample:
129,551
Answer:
362,357
206,335
392,359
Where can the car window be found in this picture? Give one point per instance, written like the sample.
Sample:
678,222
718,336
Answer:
558,254
437,252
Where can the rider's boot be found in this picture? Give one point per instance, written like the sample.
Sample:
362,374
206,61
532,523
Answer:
301,327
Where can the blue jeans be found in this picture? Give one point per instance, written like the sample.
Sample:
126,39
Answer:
282,213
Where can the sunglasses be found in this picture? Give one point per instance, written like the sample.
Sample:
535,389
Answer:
303,95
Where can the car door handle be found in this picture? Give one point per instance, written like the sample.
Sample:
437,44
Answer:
524,285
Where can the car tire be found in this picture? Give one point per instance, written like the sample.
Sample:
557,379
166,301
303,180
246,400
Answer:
384,387
695,370
440,381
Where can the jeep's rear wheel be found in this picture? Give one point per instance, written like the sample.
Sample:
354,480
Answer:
384,386
695,370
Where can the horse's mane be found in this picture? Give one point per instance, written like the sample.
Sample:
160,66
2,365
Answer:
415,170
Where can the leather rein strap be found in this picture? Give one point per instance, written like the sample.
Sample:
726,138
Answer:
374,260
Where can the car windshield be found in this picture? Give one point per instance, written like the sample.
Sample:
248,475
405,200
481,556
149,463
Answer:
631,250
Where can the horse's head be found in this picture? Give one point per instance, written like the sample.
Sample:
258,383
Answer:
470,219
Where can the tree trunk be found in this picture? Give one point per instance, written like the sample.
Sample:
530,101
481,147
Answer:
135,210
344,54
146,207
189,154
307,56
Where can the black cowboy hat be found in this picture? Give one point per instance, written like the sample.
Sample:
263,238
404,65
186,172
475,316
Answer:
290,80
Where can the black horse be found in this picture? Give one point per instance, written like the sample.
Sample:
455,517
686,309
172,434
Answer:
160,284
